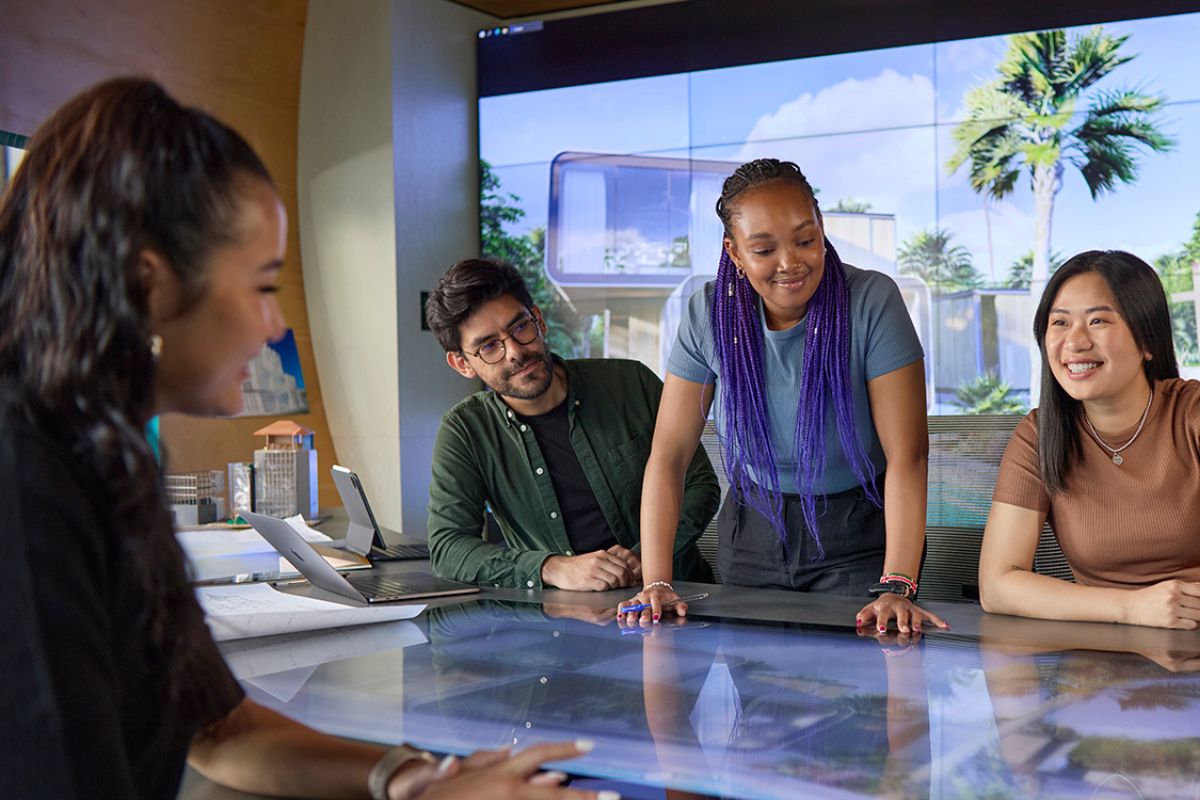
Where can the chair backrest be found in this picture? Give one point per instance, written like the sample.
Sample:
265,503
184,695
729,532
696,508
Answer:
964,459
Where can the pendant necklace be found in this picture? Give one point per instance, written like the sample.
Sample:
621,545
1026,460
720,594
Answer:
1116,451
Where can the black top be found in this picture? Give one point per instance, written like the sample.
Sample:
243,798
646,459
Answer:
83,703
587,528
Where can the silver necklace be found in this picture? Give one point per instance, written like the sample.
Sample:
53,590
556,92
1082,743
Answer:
1116,451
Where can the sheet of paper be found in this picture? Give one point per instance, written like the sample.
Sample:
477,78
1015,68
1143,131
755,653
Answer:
301,527
257,609
210,543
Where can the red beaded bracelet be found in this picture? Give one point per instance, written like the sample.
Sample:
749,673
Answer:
896,577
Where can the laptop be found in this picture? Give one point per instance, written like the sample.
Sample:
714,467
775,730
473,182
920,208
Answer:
357,588
363,536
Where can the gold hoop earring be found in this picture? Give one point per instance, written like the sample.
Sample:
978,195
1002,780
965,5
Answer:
156,346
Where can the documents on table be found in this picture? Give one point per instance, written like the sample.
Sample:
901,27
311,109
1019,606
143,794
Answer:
256,609
210,543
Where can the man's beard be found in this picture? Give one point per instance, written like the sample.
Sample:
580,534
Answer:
527,387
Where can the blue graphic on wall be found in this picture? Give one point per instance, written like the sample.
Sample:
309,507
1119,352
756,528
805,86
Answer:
276,383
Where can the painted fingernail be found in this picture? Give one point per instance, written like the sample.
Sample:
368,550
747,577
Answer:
882,629
445,764
608,794
858,620
585,745
655,617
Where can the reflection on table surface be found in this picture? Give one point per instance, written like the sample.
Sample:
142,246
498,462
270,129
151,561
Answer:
752,709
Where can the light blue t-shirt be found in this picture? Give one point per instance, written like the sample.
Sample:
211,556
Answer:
882,339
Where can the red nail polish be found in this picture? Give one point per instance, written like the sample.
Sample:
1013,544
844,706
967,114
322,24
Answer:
656,617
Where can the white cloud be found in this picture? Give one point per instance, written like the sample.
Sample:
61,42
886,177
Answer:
886,100
871,139
975,57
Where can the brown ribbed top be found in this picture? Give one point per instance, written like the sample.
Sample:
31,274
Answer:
1129,525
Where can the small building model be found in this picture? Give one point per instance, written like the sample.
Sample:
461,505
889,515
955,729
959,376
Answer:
196,498
285,471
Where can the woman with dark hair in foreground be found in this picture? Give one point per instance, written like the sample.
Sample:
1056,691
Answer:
140,244
1111,458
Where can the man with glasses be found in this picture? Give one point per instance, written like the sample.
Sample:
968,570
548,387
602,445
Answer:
556,450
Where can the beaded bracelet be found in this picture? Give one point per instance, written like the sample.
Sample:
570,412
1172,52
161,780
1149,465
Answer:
652,584
898,577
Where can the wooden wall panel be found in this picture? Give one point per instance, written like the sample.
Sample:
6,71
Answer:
238,59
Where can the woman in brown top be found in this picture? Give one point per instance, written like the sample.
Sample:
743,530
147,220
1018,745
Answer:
1111,458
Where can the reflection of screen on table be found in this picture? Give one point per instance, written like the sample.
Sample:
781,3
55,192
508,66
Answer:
604,175
771,710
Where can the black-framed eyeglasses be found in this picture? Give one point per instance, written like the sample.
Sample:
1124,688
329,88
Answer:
524,332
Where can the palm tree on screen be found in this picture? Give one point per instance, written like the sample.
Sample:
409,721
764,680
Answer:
932,256
1043,112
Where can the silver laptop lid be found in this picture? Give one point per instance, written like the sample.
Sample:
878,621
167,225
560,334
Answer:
301,555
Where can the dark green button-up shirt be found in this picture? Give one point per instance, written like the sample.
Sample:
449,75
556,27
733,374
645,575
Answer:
484,456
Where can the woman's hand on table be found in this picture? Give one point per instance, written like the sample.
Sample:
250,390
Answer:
887,607
495,774
1167,604
654,596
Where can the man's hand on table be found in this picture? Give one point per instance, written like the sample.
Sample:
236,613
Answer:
600,571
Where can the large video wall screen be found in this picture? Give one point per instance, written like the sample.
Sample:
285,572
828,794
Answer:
967,170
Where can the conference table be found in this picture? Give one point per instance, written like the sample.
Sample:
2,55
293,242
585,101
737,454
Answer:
757,694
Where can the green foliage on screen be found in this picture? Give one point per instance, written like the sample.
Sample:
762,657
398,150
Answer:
498,209
987,394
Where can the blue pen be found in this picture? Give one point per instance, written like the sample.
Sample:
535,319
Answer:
643,606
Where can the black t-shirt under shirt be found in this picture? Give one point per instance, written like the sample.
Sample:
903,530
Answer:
587,529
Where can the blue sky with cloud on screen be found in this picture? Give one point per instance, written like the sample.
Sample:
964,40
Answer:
875,126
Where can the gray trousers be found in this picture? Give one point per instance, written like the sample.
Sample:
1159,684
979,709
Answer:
851,528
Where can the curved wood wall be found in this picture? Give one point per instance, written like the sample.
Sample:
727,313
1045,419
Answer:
237,59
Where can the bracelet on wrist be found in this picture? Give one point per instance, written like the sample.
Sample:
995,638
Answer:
653,584
895,583
899,577
389,764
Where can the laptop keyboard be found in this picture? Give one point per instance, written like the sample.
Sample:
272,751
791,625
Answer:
401,552
378,587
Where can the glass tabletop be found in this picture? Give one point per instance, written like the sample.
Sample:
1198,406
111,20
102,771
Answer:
749,709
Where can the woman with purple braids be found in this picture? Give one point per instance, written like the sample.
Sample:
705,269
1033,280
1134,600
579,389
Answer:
819,379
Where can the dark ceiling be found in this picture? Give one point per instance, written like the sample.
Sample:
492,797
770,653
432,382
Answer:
507,9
